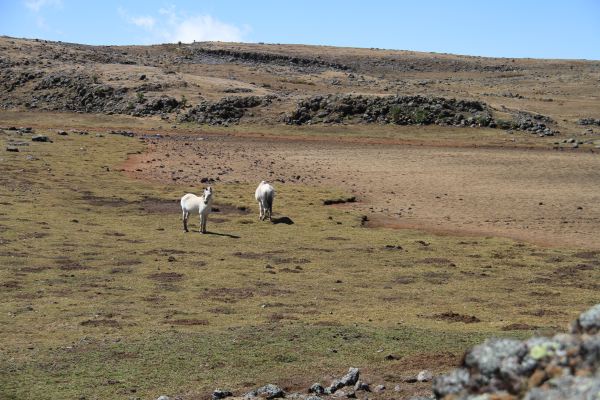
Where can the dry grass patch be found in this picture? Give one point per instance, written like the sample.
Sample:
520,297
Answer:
333,286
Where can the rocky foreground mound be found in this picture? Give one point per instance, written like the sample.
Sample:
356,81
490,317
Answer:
563,367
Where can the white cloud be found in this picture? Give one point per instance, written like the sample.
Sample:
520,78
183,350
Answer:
37,5
204,27
144,22
173,26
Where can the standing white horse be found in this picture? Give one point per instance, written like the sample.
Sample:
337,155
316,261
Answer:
202,205
264,195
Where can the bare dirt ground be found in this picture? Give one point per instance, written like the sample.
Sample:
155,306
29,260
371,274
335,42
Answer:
545,197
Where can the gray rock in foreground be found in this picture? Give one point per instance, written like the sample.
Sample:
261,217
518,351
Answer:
565,366
351,377
219,394
269,391
588,321
316,388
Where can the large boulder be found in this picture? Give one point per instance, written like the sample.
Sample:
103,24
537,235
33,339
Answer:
565,366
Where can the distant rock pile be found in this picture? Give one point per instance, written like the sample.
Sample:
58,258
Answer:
563,367
589,121
528,122
401,110
228,110
81,92
410,110
214,56
155,106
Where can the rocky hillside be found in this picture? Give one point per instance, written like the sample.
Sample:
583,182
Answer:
231,83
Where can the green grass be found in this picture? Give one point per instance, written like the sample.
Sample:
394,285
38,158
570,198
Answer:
103,295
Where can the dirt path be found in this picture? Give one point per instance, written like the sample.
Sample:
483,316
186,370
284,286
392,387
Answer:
545,197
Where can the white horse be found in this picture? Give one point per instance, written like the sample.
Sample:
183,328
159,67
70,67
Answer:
264,195
202,205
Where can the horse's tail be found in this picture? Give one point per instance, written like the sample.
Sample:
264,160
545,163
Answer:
269,199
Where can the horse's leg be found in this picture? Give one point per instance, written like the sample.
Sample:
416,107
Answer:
201,223
260,213
185,218
204,219
270,212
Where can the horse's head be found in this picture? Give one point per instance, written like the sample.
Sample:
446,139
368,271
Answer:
207,195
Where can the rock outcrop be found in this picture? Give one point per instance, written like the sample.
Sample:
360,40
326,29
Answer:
228,110
562,367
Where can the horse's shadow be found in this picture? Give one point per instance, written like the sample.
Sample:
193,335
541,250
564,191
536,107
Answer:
282,220
222,234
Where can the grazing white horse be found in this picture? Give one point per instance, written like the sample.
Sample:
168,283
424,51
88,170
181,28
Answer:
264,195
202,205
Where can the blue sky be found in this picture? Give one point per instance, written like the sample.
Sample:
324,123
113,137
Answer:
510,28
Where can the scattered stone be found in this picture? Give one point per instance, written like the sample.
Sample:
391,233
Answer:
316,388
351,377
62,133
362,386
163,397
221,394
397,388
589,121
588,322
13,149
122,133
335,385
424,376
40,138
451,383
379,388
269,391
